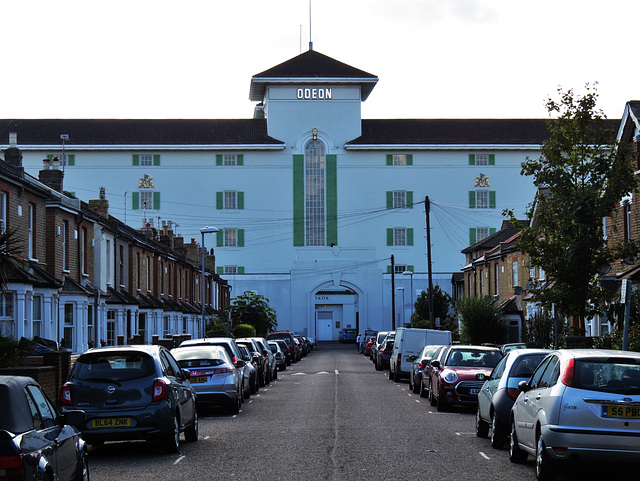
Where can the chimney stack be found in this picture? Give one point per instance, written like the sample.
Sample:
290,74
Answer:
51,175
101,205
13,155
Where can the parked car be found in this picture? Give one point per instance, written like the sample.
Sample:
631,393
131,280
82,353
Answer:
252,368
258,359
287,337
281,359
366,335
304,345
408,343
505,348
380,338
383,355
428,371
36,442
579,405
419,365
460,374
500,391
215,378
347,335
271,366
285,351
132,392
368,344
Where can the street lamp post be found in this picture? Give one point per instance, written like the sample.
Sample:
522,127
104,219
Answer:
203,231
409,273
403,308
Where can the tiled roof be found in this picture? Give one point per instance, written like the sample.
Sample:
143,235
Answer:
137,131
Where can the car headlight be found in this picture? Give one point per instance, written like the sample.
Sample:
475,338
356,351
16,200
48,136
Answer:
449,376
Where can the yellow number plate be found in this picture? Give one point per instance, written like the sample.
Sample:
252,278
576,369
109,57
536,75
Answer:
196,380
626,412
111,423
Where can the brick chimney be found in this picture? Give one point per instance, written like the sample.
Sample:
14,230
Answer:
101,205
13,155
51,175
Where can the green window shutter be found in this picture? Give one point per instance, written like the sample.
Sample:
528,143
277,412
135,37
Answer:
219,200
240,269
135,200
409,159
492,230
472,159
410,199
389,236
410,236
220,238
71,159
135,160
156,200
389,199
218,159
331,192
472,236
298,200
240,200
50,156
411,268
156,159
472,199
219,270
389,269
240,238
492,199
240,159
389,159
492,159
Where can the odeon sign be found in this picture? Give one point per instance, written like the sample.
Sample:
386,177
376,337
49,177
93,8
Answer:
314,94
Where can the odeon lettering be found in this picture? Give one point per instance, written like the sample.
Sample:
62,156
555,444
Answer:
314,94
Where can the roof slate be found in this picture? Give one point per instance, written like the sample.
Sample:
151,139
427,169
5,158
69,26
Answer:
312,64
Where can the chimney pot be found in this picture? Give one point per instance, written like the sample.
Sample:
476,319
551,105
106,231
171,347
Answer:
13,139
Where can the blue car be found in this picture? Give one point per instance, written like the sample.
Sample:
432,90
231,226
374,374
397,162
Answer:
347,335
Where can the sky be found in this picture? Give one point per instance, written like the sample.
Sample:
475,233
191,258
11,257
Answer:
195,58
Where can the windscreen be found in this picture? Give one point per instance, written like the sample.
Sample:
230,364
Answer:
613,375
121,366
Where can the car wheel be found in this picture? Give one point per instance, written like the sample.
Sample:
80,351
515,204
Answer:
252,386
262,379
416,387
516,455
275,373
391,374
482,426
423,392
82,471
378,366
442,405
545,466
432,398
191,433
172,438
498,432
234,404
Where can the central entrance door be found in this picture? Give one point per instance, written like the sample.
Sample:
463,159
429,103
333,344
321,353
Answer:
324,325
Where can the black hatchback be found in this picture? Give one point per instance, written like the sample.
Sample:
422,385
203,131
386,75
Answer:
36,442
132,392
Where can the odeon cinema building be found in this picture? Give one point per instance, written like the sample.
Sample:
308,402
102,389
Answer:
317,209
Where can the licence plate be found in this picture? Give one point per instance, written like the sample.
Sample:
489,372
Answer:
625,412
111,423
198,379
474,391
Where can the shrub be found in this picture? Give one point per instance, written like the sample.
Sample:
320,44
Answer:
244,330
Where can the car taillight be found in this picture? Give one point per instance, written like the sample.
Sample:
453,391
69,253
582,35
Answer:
399,361
567,377
222,370
513,392
159,390
65,395
235,361
11,462
422,365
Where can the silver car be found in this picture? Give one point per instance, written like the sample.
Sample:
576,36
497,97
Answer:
579,404
214,376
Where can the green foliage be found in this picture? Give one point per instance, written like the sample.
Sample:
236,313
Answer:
216,328
13,352
442,303
581,175
244,330
253,309
481,321
537,331
8,249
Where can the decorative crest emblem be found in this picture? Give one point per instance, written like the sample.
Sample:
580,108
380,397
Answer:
145,182
482,181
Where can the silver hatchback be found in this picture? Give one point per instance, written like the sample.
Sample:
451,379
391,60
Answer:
579,404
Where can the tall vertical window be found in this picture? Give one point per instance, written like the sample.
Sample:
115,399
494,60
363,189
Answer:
626,220
514,273
108,261
230,237
7,322
64,233
121,266
399,199
32,231
111,327
148,273
68,326
3,212
90,325
314,193
497,278
146,199
36,315
84,255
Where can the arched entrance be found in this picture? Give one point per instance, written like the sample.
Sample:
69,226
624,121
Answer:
335,309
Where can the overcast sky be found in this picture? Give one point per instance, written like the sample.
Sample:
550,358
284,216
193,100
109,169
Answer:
195,58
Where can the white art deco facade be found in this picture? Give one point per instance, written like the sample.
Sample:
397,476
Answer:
311,200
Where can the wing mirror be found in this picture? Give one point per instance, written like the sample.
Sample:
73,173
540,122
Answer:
523,386
435,364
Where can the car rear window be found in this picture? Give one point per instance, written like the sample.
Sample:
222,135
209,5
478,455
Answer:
199,357
612,375
525,365
473,358
121,366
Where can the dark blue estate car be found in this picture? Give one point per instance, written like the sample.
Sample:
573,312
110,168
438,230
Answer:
36,442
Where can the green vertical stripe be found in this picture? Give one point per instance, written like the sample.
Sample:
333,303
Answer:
472,199
389,199
472,236
240,269
240,159
135,200
492,230
71,159
156,159
410,236
332,198
220,238
156,200
492,199
409,199
219,270
240,237
390,236
218,159
411,268
389,159
219,200
472,159
135,160
298,200
409,159
240,200
492,159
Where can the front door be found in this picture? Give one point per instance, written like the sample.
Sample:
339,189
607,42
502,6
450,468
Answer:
324,325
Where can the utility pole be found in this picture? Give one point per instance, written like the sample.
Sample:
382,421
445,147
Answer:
393,294
427,209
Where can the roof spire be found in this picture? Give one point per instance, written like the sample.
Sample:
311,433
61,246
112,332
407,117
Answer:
310,42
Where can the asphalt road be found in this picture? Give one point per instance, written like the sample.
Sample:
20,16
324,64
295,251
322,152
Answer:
331,416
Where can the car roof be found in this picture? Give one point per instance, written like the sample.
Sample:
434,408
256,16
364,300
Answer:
15,415
591,353
148,348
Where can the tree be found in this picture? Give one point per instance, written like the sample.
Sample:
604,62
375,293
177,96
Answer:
537,331
7,252
442,303
581,175
481,320
251,308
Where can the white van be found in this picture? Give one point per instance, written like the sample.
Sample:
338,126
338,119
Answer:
408,344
